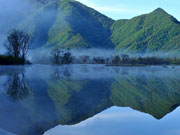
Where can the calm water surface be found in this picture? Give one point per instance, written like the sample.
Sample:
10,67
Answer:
89,100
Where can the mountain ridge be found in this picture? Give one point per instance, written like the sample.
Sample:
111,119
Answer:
74,25
148,32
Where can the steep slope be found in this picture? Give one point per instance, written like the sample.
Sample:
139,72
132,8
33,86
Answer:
70,24
67,24
156,31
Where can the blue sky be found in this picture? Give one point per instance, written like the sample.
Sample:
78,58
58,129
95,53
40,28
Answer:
125,9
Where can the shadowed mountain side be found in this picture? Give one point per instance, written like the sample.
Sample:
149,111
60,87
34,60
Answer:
67,24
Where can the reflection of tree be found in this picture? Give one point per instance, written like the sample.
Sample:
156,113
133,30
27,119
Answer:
67,73
56,73
64,72
17,86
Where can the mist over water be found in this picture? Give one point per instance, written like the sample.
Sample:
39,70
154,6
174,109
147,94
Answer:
17,14
94,52
81,72
42,56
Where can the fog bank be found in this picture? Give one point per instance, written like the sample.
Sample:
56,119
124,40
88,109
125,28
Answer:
11,13
40,56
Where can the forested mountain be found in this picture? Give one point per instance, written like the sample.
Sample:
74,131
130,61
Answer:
156,31
70,24
67,24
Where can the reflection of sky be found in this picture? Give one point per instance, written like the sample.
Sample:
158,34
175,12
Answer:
3,132
93,71
100,71
123,121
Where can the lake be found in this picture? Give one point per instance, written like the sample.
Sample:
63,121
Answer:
89,100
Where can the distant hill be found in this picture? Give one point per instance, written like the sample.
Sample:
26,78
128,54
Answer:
70,24
156,31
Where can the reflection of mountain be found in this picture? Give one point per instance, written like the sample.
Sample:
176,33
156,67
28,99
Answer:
66,100
154,95
76,101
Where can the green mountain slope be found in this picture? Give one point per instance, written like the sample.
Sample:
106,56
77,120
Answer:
70,24
67,24
156,31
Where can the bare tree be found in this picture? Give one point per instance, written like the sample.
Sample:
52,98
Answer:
125,58
116,59
67,57
85,59
18,43
61,56
25,44
56,56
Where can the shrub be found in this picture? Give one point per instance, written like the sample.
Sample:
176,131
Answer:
11,60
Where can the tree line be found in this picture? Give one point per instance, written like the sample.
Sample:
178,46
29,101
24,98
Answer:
61,56
19,42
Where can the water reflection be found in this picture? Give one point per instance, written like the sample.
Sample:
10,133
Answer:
58,73
47,96
17,86
122,121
